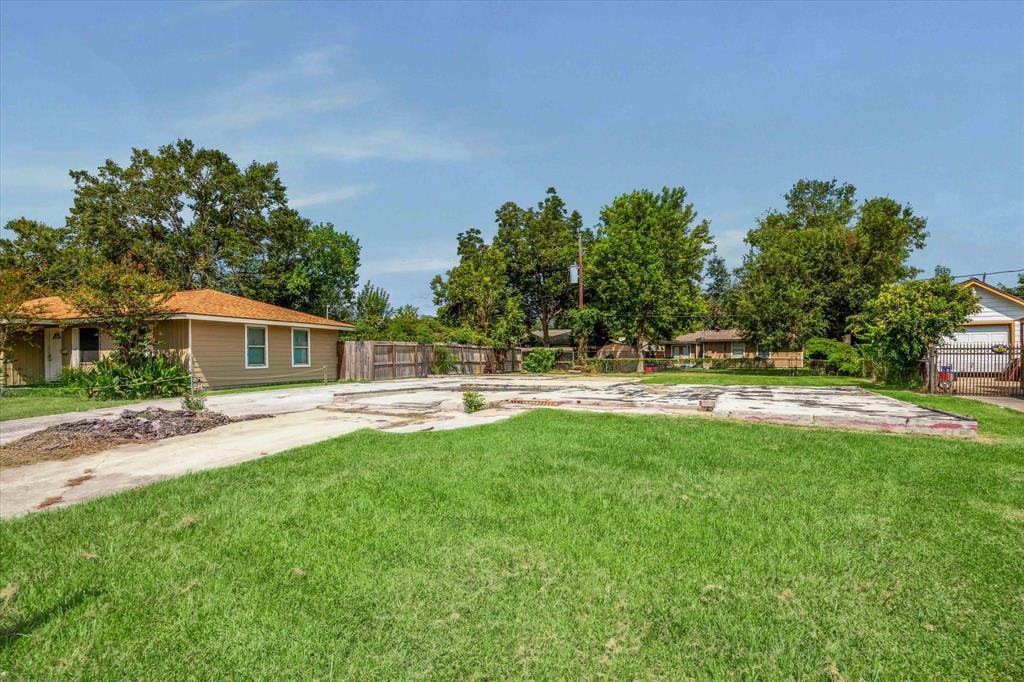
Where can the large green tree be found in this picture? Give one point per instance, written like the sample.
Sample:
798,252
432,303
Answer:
187,215
539,244
818,262
476,293
47,257
193,218
646,265
720,293
302,265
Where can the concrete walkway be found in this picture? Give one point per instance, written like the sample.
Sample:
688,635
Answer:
1002,401
312,414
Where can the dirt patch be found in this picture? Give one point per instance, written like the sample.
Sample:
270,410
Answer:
87,436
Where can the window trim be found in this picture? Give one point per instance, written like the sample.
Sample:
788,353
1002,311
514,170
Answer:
266,346
732,350
309,346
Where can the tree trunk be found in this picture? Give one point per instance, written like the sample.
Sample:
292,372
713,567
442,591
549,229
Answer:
640,355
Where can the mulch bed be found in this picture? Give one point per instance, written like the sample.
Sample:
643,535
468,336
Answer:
87,436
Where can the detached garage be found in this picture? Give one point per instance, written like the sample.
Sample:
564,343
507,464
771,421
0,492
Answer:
984,356
998,321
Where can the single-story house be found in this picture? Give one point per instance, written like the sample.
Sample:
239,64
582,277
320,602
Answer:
556,337
997,322
728,344
224,340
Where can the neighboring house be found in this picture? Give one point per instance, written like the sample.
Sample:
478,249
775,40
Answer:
998,321
556,337
616,351
728,344
224,340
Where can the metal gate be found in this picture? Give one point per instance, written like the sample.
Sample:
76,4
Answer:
976,369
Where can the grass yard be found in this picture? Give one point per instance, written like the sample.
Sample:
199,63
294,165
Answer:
19,403
751,377
554,545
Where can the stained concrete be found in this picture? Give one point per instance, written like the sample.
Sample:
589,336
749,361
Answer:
308,415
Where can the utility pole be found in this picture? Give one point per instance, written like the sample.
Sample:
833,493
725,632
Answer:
581,342
579,267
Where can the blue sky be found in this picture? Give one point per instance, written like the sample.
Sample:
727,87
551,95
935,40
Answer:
407,123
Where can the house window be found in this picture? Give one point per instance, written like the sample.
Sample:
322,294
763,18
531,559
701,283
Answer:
739,349
255,347
300,348
762,353
88,344
686,351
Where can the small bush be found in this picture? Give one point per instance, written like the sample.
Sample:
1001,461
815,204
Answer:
539,360
155,376
840,358
444,363
195,402
473,401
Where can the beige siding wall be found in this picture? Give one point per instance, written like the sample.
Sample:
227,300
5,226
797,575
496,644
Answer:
172,335
218,352
777,358
723,350
26,365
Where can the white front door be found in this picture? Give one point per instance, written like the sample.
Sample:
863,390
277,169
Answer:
52,348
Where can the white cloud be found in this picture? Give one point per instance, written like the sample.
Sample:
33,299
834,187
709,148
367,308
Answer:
330,196
283,112
393,143
305,83
408,265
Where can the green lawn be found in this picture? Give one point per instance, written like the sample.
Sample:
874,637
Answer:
751,377
19,403
34,402
554,545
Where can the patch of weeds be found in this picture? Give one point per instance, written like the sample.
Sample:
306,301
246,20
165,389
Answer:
473,401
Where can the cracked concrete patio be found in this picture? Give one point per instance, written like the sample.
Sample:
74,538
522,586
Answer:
311,414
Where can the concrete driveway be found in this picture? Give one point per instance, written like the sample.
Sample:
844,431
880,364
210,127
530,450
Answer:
312,414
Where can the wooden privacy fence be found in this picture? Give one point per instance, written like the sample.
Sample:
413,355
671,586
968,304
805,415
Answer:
380,360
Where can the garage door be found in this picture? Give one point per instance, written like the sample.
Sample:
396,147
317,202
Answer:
970,351
983,334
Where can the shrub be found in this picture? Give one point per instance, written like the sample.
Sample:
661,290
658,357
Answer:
154,376
539,360
905,318
444,363
194,402
473,401
839,357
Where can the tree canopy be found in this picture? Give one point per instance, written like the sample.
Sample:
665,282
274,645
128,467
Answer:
193,218
477,294
539,244
818,262
646,264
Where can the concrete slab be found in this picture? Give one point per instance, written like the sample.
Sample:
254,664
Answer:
311,414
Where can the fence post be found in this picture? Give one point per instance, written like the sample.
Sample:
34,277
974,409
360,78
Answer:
931,368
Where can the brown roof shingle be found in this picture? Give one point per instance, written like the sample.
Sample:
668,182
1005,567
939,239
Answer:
709,335
194,302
